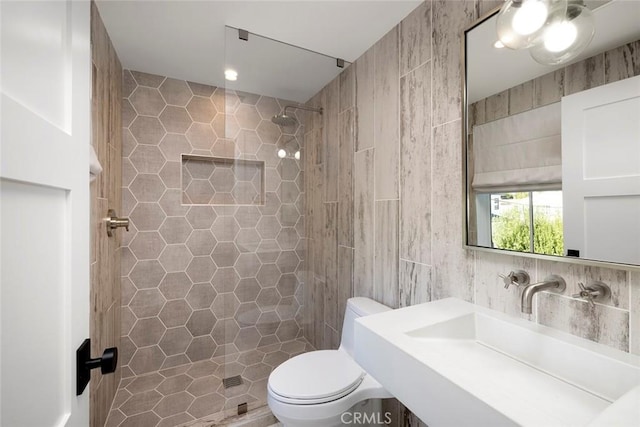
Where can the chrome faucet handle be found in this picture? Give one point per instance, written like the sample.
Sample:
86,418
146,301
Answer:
595,291
517,278
507,280
585,294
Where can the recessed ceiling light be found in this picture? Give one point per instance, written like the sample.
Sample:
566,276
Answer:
498,44
231,75
282,153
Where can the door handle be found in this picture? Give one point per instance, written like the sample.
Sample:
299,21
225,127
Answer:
84,364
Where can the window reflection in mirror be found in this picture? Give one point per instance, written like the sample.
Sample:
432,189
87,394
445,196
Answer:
524,221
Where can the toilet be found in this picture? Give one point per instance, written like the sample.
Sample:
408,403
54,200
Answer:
327,387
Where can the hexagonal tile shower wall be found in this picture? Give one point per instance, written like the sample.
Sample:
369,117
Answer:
205,280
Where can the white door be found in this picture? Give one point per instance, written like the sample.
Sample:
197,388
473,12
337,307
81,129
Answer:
44,223
601,172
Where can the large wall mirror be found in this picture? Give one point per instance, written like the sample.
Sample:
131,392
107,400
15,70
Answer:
553,152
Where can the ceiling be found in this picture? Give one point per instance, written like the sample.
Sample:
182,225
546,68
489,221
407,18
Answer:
186,39
491,70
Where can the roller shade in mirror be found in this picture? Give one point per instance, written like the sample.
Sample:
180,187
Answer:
522,152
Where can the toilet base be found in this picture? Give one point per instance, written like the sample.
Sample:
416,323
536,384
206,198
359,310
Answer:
360,408
367,413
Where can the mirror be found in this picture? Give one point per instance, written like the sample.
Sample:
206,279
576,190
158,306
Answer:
553,152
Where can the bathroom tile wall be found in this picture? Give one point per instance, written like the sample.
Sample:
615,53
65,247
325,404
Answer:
204,280
606,67
399,171
328,155
105,194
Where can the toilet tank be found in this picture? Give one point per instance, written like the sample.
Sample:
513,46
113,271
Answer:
357,307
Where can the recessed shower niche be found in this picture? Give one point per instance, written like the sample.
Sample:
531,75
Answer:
222,181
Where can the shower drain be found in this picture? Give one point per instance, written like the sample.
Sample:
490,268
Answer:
232,381
242,408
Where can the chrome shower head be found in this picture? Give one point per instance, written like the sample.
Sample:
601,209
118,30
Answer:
284,120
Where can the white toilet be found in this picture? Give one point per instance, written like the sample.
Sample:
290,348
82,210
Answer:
317,388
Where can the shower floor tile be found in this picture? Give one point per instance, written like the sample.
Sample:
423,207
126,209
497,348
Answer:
193,395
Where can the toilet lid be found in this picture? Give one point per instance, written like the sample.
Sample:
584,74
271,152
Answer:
317,376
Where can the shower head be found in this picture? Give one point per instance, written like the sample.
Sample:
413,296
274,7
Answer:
283,119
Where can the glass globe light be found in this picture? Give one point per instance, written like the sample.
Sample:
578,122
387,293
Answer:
566,34
520,22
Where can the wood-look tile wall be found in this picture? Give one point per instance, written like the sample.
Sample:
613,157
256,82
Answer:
105,194
328,156
606,67
402,188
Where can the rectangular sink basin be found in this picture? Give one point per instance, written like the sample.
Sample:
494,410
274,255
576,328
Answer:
455,363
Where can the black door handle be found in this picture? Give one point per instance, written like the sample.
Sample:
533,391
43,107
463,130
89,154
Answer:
107,363
84,364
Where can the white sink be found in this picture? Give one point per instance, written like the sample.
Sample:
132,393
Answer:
455,364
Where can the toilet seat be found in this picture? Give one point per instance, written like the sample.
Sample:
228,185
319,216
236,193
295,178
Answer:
315,377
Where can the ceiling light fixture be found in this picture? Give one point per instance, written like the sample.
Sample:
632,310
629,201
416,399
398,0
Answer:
559,36
498,44
231,75
554,31
282,153
566,34
520,22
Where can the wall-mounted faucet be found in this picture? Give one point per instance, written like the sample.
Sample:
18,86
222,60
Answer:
553,282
